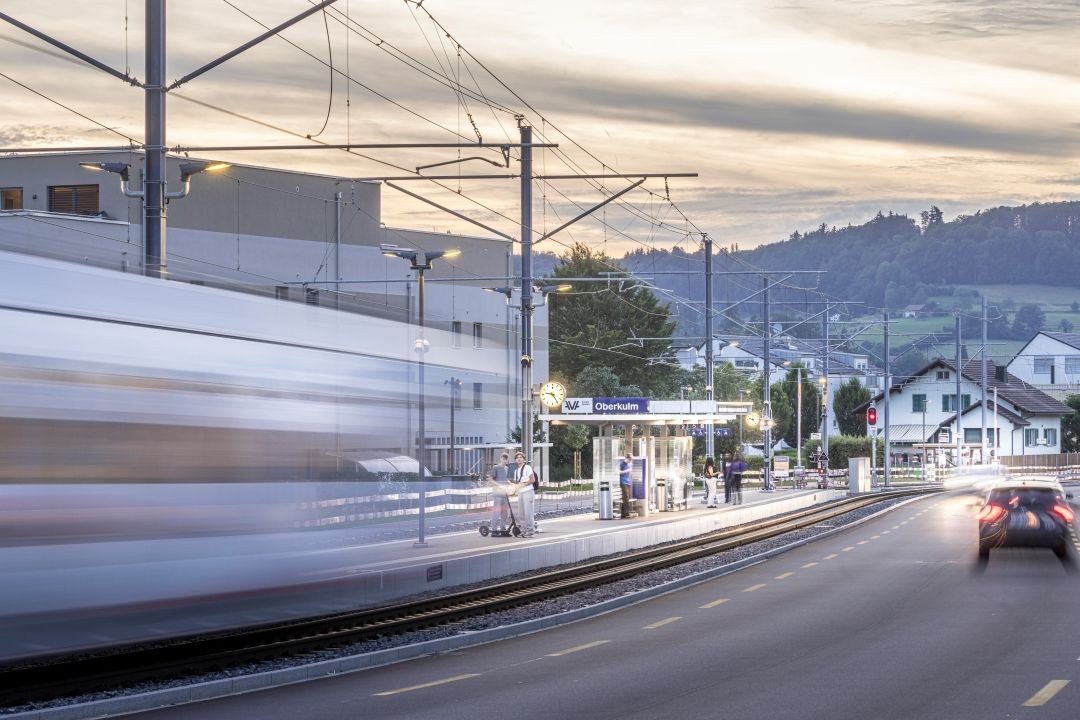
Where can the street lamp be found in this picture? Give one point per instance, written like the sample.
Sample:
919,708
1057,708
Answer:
419,261
925,403
455,397
798,413
154,260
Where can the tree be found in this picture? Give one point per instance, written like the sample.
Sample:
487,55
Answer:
619,325
1028,321
850,395
1070,426
1065,325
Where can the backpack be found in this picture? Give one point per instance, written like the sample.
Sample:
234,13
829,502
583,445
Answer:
535,482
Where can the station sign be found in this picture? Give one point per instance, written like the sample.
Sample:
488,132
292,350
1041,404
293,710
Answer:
620,406
606,406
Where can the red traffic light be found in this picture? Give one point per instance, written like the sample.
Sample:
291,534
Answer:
871,416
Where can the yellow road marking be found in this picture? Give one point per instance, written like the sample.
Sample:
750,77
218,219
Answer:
849,548
809,565
862,542
714,603
662,623
830,557
586,646
752,588
434,683
1044,696
785,575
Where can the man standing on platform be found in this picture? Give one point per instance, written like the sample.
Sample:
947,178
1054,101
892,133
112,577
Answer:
626,466
526,495
501,475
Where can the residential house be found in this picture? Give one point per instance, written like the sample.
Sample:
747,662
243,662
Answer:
1051,362
923,414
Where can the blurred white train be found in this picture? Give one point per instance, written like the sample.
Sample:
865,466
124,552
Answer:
163,442
106,376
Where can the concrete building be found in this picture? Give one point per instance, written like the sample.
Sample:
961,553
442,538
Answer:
295,237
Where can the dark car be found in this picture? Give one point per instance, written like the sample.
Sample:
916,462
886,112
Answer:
1026,513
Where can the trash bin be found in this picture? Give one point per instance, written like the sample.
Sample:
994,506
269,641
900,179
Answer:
605,500
661,495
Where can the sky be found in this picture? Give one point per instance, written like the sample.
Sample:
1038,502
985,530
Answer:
791,113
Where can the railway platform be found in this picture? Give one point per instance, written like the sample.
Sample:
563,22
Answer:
399,568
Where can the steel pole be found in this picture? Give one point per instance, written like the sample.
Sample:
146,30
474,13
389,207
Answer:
526,293
766,402
154,252
887,460
421,441
709,440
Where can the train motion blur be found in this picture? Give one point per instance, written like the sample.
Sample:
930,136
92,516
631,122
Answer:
162,440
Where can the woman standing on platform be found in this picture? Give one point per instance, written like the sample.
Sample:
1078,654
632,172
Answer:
709,471
737,468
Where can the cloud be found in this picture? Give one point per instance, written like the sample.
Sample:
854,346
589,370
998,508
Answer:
785,111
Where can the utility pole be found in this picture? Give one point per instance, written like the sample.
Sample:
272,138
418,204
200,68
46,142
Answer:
957,408
526,293
766,401
709,441
825,374
155,257
982,455
888,383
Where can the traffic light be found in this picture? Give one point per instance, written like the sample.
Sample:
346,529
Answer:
871,416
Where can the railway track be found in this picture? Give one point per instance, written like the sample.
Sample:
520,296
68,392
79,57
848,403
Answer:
46,678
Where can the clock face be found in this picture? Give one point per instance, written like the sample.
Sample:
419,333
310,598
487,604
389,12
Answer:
552,394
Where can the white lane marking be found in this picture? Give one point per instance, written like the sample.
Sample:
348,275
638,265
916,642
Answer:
809,565
433,683
754,588
578,648
714,603
662,623
1044,696
785,575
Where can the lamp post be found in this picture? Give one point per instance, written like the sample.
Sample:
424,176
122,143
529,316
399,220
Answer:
926,402
154,258
455,396
419,261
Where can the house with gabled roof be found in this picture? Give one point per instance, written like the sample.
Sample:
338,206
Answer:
923,408
1051,362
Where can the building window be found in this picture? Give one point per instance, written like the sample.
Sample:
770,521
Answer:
973,435
74,199
1043,365
942,375
281,292
1072,366
1031,437
311,296
918,403
455,395
11,198
948,402
455,327
478,396
478,335
1050,436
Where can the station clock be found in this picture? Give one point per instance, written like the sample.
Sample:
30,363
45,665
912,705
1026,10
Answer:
552,394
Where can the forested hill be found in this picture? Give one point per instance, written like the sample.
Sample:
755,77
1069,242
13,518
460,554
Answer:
883,263
1037,244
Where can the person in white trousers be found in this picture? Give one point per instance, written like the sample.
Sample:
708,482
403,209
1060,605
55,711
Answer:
500,474
526,495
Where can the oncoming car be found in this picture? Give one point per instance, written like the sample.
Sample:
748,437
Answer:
1026,512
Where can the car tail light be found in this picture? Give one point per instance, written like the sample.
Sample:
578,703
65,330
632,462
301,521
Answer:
991,513
1064,512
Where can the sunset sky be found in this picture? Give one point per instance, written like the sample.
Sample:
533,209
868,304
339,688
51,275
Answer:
793,113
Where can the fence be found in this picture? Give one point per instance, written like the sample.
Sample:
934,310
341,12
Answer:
1067,463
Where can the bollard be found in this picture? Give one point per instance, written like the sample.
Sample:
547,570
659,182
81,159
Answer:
605,500
661,495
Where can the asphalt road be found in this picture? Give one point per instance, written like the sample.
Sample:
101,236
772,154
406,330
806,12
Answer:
891,619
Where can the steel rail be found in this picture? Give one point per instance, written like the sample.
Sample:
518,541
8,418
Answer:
57,676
